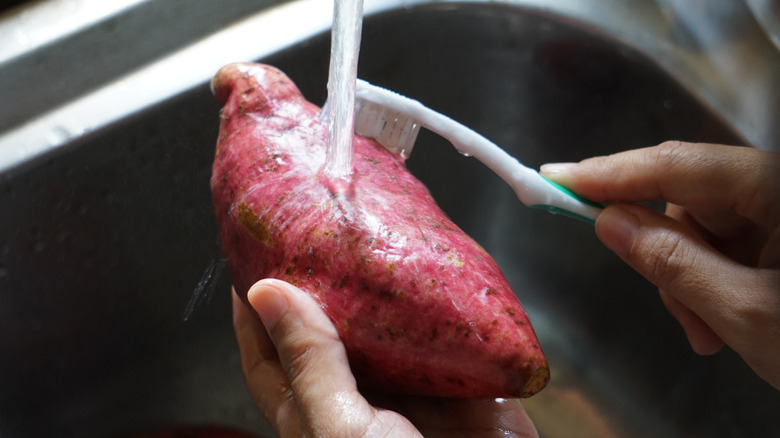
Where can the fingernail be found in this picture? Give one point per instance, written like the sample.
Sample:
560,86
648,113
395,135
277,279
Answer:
269,302
616,226
551,169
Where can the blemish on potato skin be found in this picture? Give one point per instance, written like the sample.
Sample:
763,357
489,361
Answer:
455,261
425,379
455,381
254,225
441,247
394,333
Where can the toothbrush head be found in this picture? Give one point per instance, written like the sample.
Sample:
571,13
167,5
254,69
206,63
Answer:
390,128
377,117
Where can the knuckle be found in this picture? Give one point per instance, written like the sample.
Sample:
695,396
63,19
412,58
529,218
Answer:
304,350
753,308
299,359
669,259
760,195
670,158
673,154
670,151
670,146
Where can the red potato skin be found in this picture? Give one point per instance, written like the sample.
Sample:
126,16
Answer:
421,308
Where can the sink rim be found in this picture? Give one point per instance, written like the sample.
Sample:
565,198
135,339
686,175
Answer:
55,128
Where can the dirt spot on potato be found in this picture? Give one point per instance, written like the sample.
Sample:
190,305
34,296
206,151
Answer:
256,227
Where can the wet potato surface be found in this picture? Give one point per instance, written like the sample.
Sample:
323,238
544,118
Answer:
421,308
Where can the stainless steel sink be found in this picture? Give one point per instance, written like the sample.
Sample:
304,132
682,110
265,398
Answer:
106,227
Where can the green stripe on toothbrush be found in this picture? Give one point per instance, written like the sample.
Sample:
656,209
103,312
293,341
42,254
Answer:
558,210
561,211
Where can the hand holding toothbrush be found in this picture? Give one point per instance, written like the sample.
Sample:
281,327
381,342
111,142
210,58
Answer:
715,255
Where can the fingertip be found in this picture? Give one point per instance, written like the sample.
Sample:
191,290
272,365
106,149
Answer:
555,170
702,338
269,300
708,347
559,173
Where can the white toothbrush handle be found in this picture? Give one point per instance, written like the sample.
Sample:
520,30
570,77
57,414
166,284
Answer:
531,188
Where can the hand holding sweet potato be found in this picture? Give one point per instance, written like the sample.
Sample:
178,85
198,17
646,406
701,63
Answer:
297,372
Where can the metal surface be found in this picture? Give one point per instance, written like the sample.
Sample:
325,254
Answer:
106,225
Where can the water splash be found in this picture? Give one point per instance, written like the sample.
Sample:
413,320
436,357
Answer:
205,287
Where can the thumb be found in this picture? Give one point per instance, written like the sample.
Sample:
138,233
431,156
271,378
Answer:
700,286
310,353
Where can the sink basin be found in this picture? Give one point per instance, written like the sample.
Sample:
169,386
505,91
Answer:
115,310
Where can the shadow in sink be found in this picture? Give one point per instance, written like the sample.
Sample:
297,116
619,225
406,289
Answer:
103,244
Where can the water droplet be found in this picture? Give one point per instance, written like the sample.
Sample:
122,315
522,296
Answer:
21,37
465,154
58,135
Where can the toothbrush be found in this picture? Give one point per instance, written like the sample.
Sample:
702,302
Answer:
394,121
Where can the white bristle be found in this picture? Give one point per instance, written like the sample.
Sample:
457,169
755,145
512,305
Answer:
392,129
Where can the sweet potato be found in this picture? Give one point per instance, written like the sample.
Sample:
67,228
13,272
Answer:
421,307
